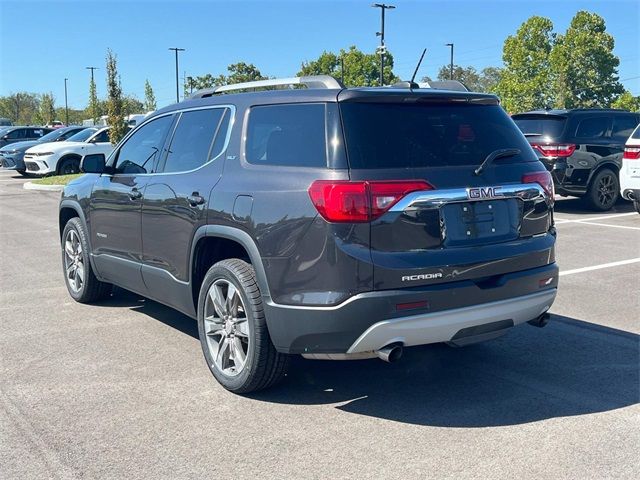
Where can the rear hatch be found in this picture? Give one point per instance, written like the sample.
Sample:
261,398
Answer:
444,222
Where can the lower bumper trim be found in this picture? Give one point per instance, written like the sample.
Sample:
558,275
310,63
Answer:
443,326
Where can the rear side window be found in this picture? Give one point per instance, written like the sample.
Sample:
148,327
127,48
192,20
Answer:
289,135
623,125
394,135
540,125
595,127
199,137
102,137
636,133
16,134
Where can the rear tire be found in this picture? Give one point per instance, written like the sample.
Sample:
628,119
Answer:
82,284
233,330
636,205
604,191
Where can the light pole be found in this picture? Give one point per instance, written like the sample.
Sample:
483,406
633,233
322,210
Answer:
382,49
175,49
451,62
93,104
66,105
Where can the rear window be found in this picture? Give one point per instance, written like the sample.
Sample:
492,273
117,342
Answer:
540,125
287,135
393,135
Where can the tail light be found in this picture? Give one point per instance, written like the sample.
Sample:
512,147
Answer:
541,178
360,201
631,153
555,150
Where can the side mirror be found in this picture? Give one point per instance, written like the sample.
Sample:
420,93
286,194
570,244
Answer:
94,163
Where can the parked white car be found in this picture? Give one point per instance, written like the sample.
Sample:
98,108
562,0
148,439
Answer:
630,171
63,158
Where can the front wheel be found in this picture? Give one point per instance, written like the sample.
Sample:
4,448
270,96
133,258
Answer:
81,282
604,190
233,331
69,166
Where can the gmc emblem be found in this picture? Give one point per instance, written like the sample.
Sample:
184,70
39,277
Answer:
484,192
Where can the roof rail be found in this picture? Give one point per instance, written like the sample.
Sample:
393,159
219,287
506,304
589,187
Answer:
311,81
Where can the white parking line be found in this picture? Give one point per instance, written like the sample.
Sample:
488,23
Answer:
591,219
608,225
598,267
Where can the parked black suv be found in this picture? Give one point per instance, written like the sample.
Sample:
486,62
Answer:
582,148
329,222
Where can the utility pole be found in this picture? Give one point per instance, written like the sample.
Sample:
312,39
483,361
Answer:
175,49
382,49
66,105
93,106
451,62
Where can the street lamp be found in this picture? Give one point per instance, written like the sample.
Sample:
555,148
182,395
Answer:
382,49
451,62
66,105
175,49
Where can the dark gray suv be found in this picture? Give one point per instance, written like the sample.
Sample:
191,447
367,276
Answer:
332,222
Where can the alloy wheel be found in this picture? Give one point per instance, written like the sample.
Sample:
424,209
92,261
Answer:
226,327
73,261
606,190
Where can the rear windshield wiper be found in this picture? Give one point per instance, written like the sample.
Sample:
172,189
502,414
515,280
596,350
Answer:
500,153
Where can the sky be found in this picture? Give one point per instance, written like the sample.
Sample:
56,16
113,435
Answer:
42,43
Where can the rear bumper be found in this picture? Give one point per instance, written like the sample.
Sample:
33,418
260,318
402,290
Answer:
443,326
372,320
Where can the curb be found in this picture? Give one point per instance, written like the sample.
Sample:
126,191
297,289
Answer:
46,188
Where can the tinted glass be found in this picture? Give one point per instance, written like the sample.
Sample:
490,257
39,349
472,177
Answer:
82,135
623,126
36,133
393,135
102,137
540,125
636,133
55,135
141,151
69,133
292,135
16,134
594,127
191,143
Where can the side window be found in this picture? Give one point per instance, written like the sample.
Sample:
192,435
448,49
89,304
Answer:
102,137
193,143
623,126
594,127
68,134
16,134
290,135
142,150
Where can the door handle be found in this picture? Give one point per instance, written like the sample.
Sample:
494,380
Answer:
195,199
135,194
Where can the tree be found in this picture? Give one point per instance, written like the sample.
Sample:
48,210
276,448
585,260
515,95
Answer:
93,109
130,104
47,111
627,101
360,69
525,82
149,98
583,65
467,75
489,79
115,102
21,108
236,73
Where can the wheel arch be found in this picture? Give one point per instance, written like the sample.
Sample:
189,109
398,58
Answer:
66,156
609,164
213,243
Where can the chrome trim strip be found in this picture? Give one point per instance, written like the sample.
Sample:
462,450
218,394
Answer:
436,198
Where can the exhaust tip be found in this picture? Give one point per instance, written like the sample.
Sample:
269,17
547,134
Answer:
541,321
390,353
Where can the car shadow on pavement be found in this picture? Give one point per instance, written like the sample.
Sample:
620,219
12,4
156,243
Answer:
568,368
577,205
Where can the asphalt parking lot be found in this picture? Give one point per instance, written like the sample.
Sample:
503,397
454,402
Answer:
120,390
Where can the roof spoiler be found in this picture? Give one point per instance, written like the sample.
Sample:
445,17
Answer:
454,85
